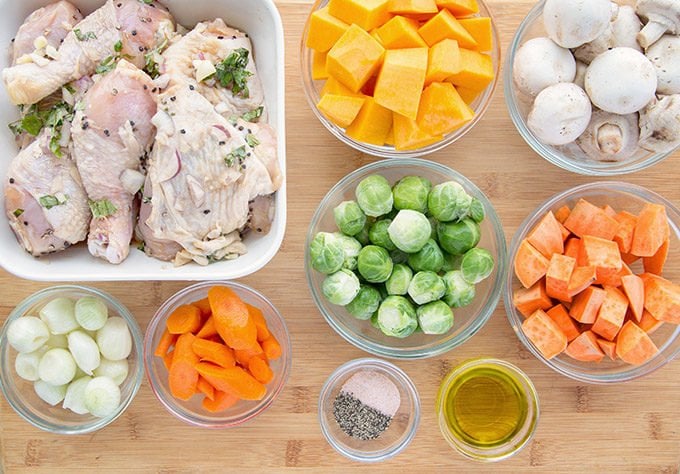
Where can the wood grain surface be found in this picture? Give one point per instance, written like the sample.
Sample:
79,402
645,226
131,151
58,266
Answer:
634,427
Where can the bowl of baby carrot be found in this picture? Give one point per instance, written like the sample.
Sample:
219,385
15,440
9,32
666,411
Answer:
593,289
217,354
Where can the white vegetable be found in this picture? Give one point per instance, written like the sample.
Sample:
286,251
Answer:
575,22
27,334
57,367
26,364
57,340
59,316
75,396
50,394
132,180
540,63
560,114
204,69
117,370
91,312
114,339
102,396
84,351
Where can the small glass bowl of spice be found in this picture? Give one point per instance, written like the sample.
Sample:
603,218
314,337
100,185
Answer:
369,410
487,409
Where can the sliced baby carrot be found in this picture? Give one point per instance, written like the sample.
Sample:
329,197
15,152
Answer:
651,230
222,401
558,276
585,348
213,352
234,380
184,319
243,356
608,347
633,345
528,300
624,234
545,334
167,359
562,213
581,278
530,264
204,306
208,329
166,342
259,368
182,376
656,262
546,236
585,306
662,298
634,288
612,313
260,322
232,320
566,323
272,348
205,388
588,219
649,323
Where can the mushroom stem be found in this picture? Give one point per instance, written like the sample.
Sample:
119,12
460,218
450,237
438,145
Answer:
651,33
610,139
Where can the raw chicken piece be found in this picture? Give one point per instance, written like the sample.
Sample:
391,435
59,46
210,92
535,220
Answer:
44,199
137,25
153,247
53,22
111,137
213,42
204,171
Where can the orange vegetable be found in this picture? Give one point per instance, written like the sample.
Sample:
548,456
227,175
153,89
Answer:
581,278
481,30
401,32
221,401
413,8
633,345
529,300
612,314
213,352
662,298
530,264
232,320
545,334
651,230
476,70
649,323
586,305
565,232
602,254
562,213
559,275
367,14
205,388
442,110
182,376
656,262
608,347
259,368
443,61
204,306
234,380
166,342
319,70
354,58
572,247
408,135
585,348
167,359
634,289
629,258
401,80
588,219
565,322
372,124
243,356
624,233
459,7
272,348
609,210
185,318
261,324
208,329
444,25
324,30
340,109
546,236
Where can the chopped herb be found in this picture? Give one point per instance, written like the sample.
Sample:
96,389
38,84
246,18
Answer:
32,124
80,36
141,246
102,208
252,141
18,212
232,73
70,89
146,2
53,119
253,114
151,66
146,200
233,120
107,65
118,47
238,154
49,201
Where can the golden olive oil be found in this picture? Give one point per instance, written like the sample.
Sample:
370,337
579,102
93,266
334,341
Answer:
485,406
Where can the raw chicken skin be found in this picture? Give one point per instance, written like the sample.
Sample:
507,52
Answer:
111,137
34,173
134,23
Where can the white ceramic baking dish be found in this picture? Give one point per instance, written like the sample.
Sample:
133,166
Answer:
261,20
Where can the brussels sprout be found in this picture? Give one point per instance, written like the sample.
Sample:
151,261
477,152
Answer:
430,257
378,235
374,196
374,320
326,253
477,212
351,248
375,264
398,256
399,280
426,287
349,217
411,193
365,303
451,262
433,225
459,292
449,202
477,265
410,230
435,317
341,287
362,236
397,317
458,237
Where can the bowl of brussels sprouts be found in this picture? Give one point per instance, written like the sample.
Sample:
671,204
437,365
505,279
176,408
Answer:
405,258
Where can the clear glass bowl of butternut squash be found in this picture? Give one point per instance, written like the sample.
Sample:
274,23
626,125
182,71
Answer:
593,286
399,77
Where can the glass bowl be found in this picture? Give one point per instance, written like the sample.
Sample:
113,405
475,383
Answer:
622,197
313,89
19,392
495,377
569,157
191,411
401,429
467,320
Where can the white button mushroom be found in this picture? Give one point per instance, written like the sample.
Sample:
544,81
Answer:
621,81
660,125
665,56
540,63
571,23
610,137
621,32
663,16
560,114
580,79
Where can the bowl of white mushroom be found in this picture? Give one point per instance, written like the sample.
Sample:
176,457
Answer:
593,86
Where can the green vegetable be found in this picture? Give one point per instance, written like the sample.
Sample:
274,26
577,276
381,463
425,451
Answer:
459,292
435,317
118,47
326,253
49,201
375,264
397,317
363,236
365,304
252,115
252,140
374,196
237,155
17,212
108,64
430,258
379,236
351,248
102,208
80,36
451,262
341,287
458,237
32,124
410,230
477,265
232,74
477,212
398,256
426,287
151,67
349,217
411,192
449,202
399,280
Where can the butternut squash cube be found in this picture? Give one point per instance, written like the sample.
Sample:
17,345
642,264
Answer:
319,66
468,95
442,110
444,25
401,80
481,30
408,135
324,30
367,14
340,109
354,58
389,140
414,8
333,86
376,36
401,32
459,7
443,61
372,124
476,70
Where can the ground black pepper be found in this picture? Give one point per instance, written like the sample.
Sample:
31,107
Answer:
357,419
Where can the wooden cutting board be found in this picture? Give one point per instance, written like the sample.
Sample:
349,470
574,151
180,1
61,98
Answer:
634,427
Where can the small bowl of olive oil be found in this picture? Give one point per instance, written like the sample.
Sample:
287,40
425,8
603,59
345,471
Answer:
487,409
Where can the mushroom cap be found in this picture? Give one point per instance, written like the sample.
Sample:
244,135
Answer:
573,23
560,114
660,125
540,63
665,56
621,81
626,27
610,137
